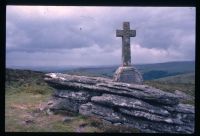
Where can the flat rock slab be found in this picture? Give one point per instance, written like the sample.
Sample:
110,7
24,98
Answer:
128,103
103,85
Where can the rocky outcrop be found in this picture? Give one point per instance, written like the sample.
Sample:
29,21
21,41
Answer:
140,106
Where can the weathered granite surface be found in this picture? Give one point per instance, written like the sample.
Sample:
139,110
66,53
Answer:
139,106
128,74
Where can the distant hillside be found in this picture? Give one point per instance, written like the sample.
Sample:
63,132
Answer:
100,71
172,67
149,71
183,78
183,82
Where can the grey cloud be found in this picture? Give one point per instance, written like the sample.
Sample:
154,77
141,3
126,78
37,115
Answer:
48,35
156,28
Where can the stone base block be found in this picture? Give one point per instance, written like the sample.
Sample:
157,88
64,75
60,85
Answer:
128,75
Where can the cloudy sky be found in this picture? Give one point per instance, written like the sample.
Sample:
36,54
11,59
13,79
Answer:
85,36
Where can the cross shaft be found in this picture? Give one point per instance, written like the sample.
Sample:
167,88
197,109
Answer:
126,33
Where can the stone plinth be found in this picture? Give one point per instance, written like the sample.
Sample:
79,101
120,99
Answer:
128,74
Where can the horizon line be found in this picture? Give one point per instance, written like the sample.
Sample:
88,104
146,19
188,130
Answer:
94,65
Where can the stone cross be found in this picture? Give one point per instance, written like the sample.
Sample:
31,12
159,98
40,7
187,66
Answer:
126,34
